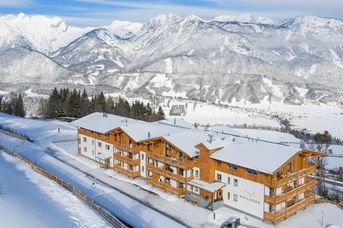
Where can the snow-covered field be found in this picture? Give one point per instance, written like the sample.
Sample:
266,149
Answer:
45,132
315,118
29,199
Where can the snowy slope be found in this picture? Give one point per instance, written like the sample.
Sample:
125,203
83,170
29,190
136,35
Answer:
41,33
37,201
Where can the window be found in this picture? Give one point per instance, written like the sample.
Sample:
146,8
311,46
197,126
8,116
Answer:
167,150
235,182
196,173
92,152
235,197
92,142
219,162
99,144
142,156
142,168
181,172
115,138
228,195
85,149
219,177
149,147
233,167
84,139
130,143
107,147
252,172
107,136
291,167
228,180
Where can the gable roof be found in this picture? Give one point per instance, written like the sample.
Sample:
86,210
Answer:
103,123
233,148
260,156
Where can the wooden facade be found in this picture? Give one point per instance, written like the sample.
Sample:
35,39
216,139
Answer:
288,190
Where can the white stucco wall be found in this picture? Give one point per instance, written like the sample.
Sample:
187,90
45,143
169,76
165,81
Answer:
249,194
142,157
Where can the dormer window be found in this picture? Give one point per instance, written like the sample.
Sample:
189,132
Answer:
233,167
252,172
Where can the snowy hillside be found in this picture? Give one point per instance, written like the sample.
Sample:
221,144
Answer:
227,59
38,201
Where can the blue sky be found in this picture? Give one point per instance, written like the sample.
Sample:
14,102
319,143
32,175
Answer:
102,12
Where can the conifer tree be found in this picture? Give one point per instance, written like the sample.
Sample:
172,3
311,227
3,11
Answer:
19,107
160,113
85,104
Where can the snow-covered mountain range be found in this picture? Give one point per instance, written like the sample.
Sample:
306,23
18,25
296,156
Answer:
229,58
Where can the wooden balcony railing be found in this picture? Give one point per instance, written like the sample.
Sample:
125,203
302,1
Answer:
129,173
166,173
278,216
126,159
290,177
185,164
125,147
294,192
166,186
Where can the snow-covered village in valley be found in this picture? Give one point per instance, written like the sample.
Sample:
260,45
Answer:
141,114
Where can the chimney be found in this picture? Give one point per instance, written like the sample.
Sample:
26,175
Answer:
210,138
149,135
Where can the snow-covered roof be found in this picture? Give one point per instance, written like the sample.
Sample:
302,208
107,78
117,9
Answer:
265,157
260,156
178,122
210,187
102,123
226,130
145,130
187,140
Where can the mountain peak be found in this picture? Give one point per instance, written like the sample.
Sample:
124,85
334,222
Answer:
313,22
245,18
124,29
165,18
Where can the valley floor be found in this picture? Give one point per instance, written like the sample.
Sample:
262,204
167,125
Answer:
45,134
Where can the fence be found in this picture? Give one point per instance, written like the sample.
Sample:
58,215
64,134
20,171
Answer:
112,219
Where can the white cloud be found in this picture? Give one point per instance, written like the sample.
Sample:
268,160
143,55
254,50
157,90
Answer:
142,11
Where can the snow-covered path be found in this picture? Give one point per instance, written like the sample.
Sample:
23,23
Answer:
29,198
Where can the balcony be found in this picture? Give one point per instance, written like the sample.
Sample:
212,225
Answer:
290,177
126,159
129,173
124,147
166,187
185,164
278,216
289,194
166,173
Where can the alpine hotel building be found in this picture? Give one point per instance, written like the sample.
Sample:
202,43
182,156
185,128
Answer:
208,168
